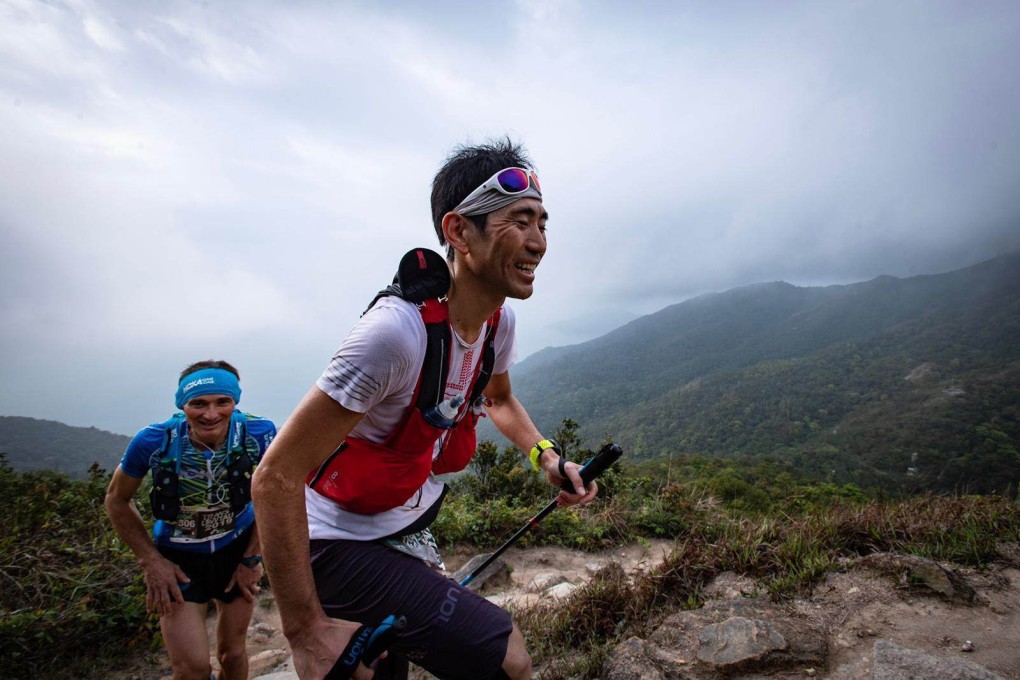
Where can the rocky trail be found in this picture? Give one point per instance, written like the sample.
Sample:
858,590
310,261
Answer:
883,616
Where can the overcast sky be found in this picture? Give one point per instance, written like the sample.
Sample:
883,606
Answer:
190,180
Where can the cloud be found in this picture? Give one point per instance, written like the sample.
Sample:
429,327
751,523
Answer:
191,179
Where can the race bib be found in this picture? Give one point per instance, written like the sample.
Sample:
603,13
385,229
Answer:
203,524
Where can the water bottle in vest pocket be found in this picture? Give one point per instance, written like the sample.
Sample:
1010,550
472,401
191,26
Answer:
239,479
460,444
164,498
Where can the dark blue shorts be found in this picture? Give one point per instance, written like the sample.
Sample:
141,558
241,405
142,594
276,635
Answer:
209,572
451,631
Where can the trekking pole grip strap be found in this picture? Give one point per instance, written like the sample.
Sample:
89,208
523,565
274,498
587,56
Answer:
365,646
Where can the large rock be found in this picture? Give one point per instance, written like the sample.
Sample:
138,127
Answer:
496,575
722,638
629,661
738,642
805,638
922,572
893,662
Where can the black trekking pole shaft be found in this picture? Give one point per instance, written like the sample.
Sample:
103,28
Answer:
609,454
513,539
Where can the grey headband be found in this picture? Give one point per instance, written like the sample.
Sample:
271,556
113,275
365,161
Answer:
493,199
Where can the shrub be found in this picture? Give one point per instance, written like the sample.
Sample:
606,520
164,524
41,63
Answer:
70,591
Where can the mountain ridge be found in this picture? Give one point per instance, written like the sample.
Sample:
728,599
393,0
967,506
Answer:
40,444
636,383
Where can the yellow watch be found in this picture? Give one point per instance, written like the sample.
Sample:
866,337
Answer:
538,449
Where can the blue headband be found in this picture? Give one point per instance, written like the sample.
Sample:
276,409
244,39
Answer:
207,381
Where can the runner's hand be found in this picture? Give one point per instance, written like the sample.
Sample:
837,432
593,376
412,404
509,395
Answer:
319,646
247,579
162,591
551,465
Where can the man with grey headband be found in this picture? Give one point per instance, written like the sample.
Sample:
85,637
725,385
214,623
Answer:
367,504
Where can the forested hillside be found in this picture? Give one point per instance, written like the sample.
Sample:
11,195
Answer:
906,384
33,444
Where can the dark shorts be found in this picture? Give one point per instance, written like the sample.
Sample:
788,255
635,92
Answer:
209,572
451,631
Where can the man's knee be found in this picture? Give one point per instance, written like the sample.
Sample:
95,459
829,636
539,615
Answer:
191,669
517,662
231,655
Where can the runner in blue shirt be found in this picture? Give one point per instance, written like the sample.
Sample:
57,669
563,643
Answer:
204,544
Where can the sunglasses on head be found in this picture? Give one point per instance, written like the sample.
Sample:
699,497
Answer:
509,181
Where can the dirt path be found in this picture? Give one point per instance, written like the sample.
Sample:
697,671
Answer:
267,648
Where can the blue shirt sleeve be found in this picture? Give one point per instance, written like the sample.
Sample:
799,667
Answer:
135,461
263,431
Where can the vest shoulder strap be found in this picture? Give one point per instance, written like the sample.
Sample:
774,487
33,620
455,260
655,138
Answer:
173,431
423,277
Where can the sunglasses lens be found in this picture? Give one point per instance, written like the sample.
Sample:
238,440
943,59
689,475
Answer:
513,180
534,179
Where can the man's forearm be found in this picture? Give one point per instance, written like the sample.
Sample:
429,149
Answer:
128,524
514,423
283,536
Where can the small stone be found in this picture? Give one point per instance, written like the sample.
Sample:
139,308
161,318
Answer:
543,582
561,590
810,672
968,646
269,655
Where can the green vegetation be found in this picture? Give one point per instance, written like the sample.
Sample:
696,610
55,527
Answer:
72,597
71,594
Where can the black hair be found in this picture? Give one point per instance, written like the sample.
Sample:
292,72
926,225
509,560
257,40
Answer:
208,363
464,171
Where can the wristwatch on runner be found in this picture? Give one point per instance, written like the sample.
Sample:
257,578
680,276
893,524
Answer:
251,561
538,449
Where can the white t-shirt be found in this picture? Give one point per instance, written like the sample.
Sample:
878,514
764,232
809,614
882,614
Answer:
375,372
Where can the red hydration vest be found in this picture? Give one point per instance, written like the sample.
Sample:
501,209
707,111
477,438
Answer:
368,478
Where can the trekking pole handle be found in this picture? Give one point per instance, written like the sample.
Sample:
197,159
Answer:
609,454
384,634
367,645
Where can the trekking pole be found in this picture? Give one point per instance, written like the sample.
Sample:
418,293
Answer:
609,454
367,645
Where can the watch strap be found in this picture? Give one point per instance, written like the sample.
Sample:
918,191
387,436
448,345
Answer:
541,447
251,561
